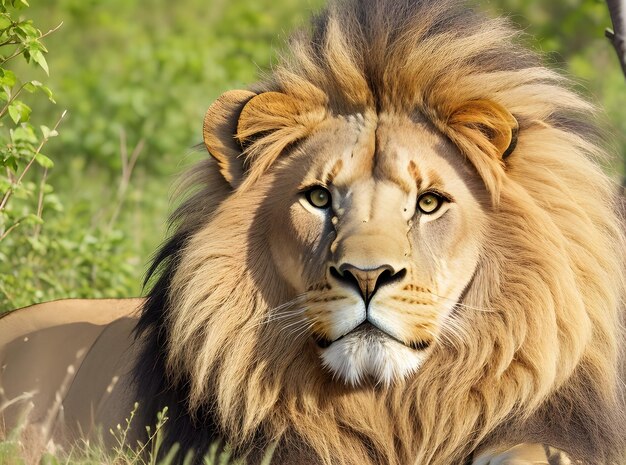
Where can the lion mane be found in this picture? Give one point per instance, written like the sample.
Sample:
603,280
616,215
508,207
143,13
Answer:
543,364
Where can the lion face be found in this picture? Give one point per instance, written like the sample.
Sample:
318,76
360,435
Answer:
379,232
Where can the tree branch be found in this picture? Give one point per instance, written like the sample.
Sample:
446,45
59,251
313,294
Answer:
619,46
617,37
617,10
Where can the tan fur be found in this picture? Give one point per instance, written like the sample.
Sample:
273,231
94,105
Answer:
64,373
220,124
384,100
552,228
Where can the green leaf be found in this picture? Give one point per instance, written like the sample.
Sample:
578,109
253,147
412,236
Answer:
14,112
44,161
19,112
11,163
33,86
38,58
7,78
30,87
19,32
19,4
29,30
23,134
5,21
46,90
31,218
48,133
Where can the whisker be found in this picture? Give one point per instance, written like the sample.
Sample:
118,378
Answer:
296,323
299,330
281,316
281,311
457,303
478,309
304,331
287,304
276,318
454,327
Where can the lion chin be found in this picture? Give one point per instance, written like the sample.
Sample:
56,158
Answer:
367,352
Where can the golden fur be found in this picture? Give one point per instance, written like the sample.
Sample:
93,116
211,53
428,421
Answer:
532,353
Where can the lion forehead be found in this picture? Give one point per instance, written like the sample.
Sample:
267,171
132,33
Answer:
396,148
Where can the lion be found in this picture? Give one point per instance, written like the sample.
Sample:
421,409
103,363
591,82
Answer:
402,250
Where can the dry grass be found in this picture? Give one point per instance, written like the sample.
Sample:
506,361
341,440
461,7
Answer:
14,452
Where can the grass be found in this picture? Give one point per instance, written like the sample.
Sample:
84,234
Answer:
13,449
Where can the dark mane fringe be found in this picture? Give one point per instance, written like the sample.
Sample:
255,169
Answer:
155,390
199,432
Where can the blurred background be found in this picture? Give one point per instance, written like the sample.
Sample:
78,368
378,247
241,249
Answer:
136,77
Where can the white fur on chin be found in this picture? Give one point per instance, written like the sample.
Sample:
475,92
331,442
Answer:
356,356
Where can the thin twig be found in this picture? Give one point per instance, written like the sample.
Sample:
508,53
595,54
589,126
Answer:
6,233
10,101
22,50
9,192
42,186
123,152
10,42
51,31
128,165
10,57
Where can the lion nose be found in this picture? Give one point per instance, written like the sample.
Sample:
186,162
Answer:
367,281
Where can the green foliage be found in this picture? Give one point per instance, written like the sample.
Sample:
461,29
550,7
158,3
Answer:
151,70
21,142
37,266
136,77
571,34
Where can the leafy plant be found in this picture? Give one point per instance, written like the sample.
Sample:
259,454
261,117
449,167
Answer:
24,190
21,143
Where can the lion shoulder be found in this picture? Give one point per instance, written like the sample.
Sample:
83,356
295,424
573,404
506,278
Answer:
62,363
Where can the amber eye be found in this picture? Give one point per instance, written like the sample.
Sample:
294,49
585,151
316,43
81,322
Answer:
318,197
429,203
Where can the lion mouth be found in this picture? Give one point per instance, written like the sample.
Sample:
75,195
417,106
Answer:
367,329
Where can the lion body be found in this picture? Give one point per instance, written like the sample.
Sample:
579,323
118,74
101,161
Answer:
500,322
65,370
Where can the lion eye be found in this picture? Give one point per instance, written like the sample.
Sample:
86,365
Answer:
429,203
318,197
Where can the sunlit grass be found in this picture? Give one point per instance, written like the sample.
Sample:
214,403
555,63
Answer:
14,450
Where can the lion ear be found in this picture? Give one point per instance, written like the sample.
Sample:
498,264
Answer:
262,125
488,126
271,121
268,112
220,133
